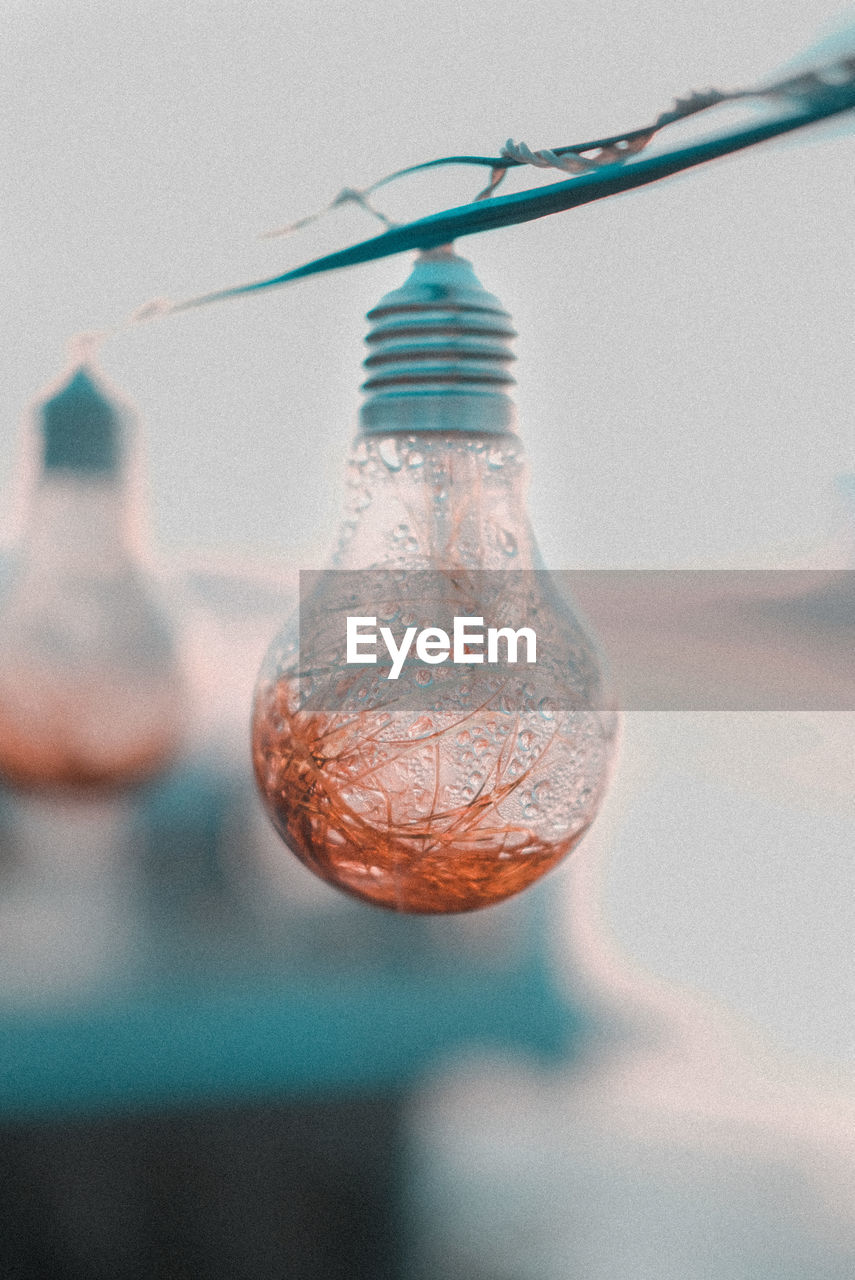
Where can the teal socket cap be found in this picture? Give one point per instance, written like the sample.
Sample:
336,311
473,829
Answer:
81,428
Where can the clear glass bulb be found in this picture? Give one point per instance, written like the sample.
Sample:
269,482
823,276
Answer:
456,786
90,690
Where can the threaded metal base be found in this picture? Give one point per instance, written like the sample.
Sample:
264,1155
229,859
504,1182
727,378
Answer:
439,354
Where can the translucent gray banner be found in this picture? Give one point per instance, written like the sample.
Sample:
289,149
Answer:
752,640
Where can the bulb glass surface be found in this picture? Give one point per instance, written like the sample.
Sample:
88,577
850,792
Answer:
454,787
90,691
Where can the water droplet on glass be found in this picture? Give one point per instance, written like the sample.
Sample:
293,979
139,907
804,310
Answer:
546,707
389,455
496,458
507,542
415,459
400,531
424,677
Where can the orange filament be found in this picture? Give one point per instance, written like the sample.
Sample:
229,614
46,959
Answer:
343,797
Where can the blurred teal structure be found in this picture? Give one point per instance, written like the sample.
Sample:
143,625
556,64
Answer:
379,1003
152,958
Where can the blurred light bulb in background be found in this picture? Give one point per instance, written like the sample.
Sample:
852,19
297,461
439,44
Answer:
90,690
456,786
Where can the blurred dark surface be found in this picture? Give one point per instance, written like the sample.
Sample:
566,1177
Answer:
297,1190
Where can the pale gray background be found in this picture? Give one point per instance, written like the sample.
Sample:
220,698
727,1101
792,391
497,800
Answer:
685,358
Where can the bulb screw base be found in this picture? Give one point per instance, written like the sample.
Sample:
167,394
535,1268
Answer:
81,427
439,354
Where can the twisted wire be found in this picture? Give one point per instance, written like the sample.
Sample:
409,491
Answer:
585,157
595,169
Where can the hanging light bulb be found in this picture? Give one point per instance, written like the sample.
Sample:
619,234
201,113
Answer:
90,692
460,783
